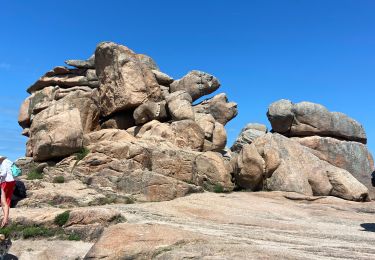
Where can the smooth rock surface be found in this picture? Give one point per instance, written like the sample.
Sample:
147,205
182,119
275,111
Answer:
306,119
217,226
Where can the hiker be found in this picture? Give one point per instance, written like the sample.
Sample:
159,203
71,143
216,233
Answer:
7,184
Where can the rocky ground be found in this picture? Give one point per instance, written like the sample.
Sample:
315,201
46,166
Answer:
261,225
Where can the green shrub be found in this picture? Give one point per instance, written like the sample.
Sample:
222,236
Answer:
34,175
82,153
218,188
37,231
59,179
10,229
74,237
62,218
16,231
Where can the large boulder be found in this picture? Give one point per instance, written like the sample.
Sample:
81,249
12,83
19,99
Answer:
351,156
196,83
125,82
162,78
147,61
306,119
184,134
219,107
87,104
56,136
179,105
289,166
23,114
248,134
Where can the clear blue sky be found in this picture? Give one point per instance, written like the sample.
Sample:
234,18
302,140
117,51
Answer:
320,51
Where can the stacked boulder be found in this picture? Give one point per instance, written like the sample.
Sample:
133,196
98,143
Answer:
145,136
310,151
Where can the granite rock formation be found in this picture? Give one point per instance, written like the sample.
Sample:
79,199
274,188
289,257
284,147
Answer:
146,138
129,131
309,150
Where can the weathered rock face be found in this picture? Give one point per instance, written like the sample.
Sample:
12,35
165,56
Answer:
125,82
130,132
248,134
306,119
289,166
351,156
169,148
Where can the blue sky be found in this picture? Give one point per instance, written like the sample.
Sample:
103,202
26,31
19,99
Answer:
320,51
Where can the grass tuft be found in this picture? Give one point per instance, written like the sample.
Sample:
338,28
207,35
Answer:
37,231
17,231
34,175
74,237
59,179
218,188
62,218
82,153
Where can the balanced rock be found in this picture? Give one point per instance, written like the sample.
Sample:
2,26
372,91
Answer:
82,64
306,119
125,82
196,83
219,107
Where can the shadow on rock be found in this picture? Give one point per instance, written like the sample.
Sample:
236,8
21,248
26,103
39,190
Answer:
10,257
368,227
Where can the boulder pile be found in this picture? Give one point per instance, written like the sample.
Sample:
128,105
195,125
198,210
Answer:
128,132
309,150
141,133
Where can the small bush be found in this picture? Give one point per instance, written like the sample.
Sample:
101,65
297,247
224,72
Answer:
59,179
74,237
62,218
82,153
218,188
34,175
8,230
37,231
17,231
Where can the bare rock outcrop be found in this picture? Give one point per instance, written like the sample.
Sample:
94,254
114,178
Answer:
131,132
128,130
325,153
274,162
